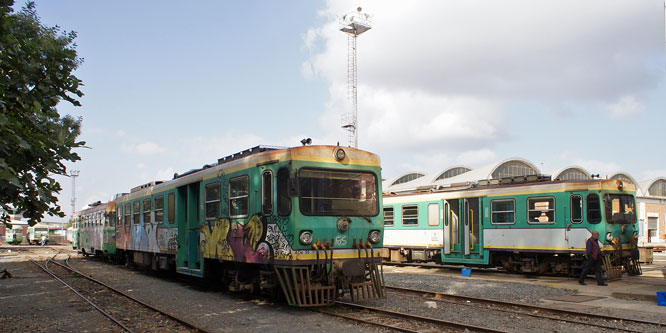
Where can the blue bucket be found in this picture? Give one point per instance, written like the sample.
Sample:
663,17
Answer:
661,298
466,272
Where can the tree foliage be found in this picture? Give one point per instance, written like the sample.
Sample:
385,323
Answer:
36,65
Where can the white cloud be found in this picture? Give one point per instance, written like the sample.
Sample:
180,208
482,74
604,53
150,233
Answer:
627,106
441,73
146,148
476,157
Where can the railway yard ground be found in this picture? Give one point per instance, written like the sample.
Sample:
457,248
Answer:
31,300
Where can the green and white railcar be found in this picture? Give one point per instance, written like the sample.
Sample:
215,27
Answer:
14,235
304,221
538,227
36,232
95,232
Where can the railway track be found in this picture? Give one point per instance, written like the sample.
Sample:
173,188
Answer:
129,313
573,317
395,320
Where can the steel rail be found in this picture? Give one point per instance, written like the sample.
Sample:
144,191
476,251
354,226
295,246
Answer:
438,295
181,321
45,269
435,321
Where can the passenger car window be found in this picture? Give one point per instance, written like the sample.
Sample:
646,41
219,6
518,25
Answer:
503,211
541,210
159,209
593,208
410,215
576,208
212,199
239,200
388,216
433,214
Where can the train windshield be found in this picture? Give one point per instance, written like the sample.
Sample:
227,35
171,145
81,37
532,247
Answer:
329,192
620,208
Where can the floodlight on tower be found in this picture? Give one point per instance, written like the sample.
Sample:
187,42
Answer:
353,24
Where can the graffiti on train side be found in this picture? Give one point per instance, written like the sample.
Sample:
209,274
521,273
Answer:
259,240
167,239
213,240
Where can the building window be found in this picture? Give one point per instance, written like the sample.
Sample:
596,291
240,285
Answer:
172,208
283,200
267,193
388,216
512,169
212,199
658,188
159,209
410,215
593,209
433,214
576,208
541,210
503,211
453,172
136,212
239,200
146,210
407,178
653,222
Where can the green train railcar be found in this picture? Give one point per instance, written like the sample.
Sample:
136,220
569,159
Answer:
14,235
302,221
95,229
538,227
36,232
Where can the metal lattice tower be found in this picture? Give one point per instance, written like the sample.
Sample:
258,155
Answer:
74,174
353,24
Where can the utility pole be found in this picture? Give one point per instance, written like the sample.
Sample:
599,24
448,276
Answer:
74,174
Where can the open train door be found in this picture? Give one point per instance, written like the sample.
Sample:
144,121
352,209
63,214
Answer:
189,260
462,235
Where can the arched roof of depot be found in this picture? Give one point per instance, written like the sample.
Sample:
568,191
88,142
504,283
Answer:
572,172
452,172
510,167
405,177
654,187
624,176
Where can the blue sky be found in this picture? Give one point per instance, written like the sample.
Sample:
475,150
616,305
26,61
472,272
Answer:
170,86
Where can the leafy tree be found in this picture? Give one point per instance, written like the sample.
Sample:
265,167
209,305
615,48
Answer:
36,65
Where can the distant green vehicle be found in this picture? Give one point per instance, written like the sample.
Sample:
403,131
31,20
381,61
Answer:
38,233
14,235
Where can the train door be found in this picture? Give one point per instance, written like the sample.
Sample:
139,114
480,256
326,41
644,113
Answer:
574,235
462,232
452,246
189,259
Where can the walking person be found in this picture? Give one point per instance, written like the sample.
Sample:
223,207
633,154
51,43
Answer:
593,260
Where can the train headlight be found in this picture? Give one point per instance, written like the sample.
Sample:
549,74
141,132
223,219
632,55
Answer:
343,224
609,237
306,237
374,236
340,154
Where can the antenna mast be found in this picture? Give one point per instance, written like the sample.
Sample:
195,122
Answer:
74,174
353,24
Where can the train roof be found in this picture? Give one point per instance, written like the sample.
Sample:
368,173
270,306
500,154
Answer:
542,185
258,155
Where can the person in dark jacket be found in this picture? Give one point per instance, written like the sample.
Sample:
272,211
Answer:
593,260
